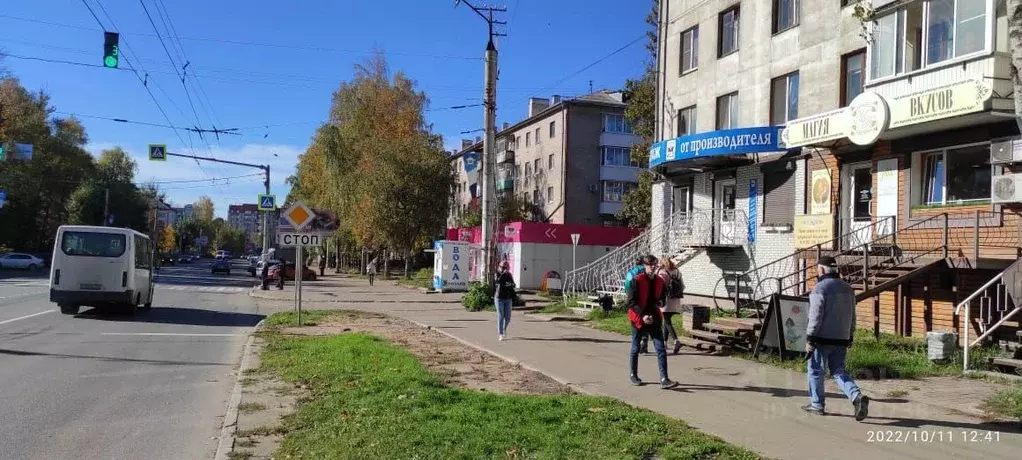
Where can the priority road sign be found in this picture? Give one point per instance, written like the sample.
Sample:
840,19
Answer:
157,152
298,239
299,215
267,202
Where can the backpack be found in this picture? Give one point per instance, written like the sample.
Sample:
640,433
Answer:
676,290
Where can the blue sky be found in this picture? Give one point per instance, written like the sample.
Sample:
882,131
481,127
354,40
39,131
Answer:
240,82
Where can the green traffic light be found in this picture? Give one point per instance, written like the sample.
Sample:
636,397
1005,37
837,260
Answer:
110,61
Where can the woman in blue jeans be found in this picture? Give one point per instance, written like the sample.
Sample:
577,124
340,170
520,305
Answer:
504,295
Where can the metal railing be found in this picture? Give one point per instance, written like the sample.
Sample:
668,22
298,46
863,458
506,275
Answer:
675,235
994,302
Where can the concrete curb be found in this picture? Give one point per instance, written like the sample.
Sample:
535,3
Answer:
254,294
560,380
230,426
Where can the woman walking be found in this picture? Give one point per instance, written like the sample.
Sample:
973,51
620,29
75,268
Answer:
371,271
504,295
671,305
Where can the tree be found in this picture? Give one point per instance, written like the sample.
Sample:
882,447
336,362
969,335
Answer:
203,209
129,205
641,114
168,240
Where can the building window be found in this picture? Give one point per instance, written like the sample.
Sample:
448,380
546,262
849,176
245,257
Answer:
779,197
784,99
528,139
535,166
727,32
615,191
549,194
535,197
528,172
553,130
786,14
550,161
727,111
925,33
954,176
537,136
852,78
518,141
616,123
690,49
618,156
687,121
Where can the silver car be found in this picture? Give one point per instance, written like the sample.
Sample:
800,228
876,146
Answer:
21,261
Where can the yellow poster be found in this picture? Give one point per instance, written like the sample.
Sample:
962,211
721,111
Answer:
820,191
811,230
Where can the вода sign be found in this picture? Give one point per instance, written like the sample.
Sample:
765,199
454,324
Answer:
946,101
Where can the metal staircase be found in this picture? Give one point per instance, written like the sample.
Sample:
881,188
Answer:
683,235
992,306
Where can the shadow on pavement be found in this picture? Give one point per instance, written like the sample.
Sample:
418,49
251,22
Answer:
176,315
5,351
574,339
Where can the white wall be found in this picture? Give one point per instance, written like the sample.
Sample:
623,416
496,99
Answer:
532,260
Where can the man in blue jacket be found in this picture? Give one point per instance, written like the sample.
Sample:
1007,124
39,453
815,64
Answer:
828,336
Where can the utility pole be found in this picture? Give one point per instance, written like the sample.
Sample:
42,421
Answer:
106,206
489,139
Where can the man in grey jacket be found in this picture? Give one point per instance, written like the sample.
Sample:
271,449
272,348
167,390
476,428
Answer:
828,336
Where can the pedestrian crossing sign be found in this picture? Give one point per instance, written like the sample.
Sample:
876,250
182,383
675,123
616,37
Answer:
267,202
157,152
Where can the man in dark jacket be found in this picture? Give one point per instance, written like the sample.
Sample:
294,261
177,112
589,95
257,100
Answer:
828,336
644,314
503,297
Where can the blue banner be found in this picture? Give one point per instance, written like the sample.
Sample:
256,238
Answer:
471,161
753,209
738,141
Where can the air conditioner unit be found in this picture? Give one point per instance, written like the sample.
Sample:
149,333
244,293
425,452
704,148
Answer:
1006,188
594,188
1006,152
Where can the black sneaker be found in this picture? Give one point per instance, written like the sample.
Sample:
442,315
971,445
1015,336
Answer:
677,346
813,410
667,384
636,381
861,408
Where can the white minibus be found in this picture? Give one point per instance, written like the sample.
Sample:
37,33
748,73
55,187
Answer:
101,267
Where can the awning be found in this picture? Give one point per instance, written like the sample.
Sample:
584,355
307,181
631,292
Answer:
714,149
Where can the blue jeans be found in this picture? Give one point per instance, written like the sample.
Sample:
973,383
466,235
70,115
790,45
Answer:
656,333
503,314
834,358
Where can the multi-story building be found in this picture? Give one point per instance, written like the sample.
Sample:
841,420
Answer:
569,160
185,212
246,217
785,135
165,214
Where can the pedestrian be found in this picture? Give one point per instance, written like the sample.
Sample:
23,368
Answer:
322,264
503,297
265,275
371,271
828,335
628,287
671,305
645,316
281,273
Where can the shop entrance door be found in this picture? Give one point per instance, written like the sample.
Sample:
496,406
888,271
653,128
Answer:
724,213
857,218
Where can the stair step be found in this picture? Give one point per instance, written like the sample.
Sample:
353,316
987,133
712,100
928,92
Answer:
588,304
1007,362
710,336
733,329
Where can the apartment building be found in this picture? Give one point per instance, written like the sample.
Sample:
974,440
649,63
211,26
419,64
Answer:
785,135
569,160
246,217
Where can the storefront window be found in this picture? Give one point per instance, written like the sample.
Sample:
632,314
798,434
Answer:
956,175
927,32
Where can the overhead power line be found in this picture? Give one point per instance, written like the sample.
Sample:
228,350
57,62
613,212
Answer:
231,131
323,49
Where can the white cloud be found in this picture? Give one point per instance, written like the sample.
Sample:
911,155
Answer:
281,158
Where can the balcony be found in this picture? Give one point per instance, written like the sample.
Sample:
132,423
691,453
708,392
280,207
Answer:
619,173
505,184
618,139
610,207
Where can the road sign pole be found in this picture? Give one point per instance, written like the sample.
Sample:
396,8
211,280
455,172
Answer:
574,245
266,216
299,274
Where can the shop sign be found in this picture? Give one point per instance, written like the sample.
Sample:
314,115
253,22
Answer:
813,230
820,189
861,122
947,101
737,141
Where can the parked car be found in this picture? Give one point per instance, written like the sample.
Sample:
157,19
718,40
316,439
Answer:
167,260
289,273
184,259
253,266
21,261
221,266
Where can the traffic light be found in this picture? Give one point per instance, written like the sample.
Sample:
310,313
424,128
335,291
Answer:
111,50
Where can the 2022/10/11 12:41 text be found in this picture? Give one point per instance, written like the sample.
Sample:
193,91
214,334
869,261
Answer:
928,436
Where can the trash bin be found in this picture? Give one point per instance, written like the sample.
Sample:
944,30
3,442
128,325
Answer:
700,316
940,345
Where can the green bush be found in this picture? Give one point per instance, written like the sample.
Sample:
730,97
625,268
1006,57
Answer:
479,297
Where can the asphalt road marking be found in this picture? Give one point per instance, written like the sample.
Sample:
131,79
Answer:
193,288
170,334
26,316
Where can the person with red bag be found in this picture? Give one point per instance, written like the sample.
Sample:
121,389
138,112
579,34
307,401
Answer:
644,314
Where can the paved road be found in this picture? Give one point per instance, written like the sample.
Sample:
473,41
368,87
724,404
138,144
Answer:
110,386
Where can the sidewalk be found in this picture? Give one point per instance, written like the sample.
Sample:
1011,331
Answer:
745,403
